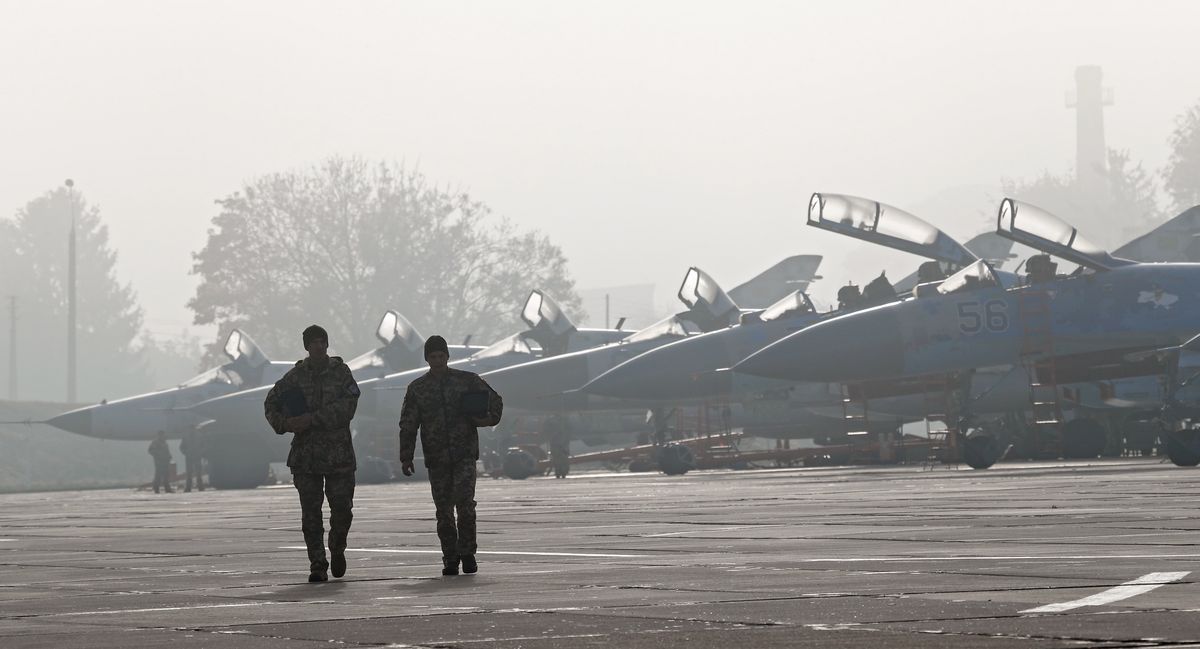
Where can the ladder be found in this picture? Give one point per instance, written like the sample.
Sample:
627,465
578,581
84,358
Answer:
940,427
855,416
1037,356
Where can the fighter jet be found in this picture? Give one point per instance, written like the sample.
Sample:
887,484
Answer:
141,417
401,348
1067,331
696,367
551,385
550,332
240,415
1112,306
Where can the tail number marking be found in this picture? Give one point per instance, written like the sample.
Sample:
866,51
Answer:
975,317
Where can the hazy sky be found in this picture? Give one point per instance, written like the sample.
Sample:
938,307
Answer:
643,137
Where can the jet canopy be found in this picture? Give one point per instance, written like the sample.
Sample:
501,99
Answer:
869,220
225,375
517,343
1041,230
708,305
793,305
396,329
402,347
673,327
542,311
977,275
240,348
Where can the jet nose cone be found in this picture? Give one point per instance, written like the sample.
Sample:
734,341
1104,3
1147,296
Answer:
859,346
677,371
74,421
533,383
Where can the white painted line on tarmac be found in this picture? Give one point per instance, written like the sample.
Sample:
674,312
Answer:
529,554
1139,586
1047,557
175,608
707,530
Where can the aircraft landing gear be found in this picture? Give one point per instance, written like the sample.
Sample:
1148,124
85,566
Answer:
981,450
676,459
1182,446
519,464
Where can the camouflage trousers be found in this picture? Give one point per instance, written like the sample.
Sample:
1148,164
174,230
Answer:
453,488
313,489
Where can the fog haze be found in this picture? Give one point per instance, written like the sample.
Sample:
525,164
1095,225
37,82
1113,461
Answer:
641,137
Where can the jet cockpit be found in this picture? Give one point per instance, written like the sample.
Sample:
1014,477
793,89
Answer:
869,220
403,347
1041,230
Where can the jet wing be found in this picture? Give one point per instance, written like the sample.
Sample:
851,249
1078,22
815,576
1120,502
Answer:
868,220
1041,230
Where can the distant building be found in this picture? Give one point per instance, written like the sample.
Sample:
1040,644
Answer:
634,302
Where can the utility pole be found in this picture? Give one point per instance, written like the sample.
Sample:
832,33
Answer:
71,319
606,310
12,348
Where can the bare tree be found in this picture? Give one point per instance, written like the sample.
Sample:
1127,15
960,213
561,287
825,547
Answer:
339,243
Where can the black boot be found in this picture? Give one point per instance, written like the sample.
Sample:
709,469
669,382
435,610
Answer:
337,562
317,575
449,566
468,564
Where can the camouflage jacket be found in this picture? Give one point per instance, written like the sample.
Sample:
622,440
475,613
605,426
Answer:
332,397
159,451
432,405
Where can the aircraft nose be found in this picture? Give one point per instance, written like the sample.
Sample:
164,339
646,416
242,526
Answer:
77,421
532,382
677,371
860,346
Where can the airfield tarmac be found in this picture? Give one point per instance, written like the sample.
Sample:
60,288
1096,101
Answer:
1100,554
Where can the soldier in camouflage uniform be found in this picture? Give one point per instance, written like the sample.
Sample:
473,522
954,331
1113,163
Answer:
162,462
451,445
322,455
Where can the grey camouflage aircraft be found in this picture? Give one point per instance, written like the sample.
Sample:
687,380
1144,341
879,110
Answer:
1062,330
140,417
234,459
696,368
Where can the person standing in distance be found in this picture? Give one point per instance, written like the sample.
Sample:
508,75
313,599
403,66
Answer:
316,400
192,447
162,462
443,405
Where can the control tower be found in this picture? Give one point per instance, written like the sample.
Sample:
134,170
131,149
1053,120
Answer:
1091,153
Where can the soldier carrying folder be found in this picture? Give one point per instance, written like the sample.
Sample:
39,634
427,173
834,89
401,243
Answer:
447,405
316,401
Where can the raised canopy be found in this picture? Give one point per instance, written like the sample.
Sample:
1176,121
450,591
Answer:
707,303
1041,230
869,220
542,311
240,347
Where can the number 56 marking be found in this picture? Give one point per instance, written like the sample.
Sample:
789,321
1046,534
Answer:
991,316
